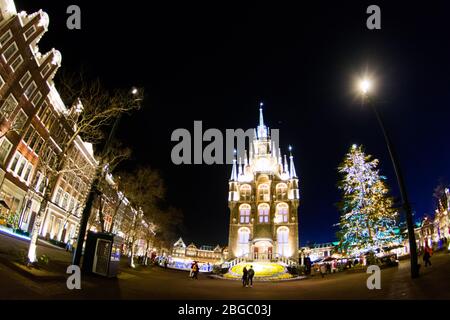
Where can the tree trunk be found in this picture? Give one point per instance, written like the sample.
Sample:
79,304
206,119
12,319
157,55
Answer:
113,218
146,251
84,220
132,265
37,225
52,181
100,213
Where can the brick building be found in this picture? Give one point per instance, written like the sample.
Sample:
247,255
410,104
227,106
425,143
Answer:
36,126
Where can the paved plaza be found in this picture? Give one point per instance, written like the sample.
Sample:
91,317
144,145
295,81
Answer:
158,283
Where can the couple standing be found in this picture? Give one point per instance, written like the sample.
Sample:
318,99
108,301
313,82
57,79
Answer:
194,270
247,276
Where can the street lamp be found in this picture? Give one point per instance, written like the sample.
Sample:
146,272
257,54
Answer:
364,86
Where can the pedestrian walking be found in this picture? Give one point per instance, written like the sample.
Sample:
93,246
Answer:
195,270
251,274
191,272
323,269
427,255
244,277
334,266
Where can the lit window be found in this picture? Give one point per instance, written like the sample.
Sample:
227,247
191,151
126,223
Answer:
244,213
38,146
45,70
8,106
5,148
65,200
16,63
5,38
282,213
30,31
27,172
30,89
42,109
23,81
281,191
10,51
30,139
243,242
263,213
283,241
22,165
20,121
15,161
245,192
71,204
58,195
36,99
263,192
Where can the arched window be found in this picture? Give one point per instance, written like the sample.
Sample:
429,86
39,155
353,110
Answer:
263,192
283,242
246,192
244,213
263,213
282,213
243,242
281,191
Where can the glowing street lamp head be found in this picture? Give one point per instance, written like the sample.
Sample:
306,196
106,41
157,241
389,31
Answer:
365,85
134,91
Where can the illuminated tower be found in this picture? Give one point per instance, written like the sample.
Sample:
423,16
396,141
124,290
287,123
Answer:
263,201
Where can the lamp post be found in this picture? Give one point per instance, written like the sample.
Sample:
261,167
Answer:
365,86
94,188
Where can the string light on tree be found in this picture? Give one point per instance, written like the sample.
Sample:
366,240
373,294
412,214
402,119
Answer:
368,220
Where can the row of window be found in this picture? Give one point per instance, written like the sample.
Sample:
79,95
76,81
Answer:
74,182
49,119
281,215
7,108
33,140
5,148
10,51
21,167
66,201
263,192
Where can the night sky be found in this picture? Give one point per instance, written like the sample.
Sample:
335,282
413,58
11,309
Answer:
216,60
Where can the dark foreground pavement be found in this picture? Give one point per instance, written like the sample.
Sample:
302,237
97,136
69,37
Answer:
157,283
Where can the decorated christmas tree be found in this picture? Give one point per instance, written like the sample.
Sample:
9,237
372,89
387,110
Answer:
368,220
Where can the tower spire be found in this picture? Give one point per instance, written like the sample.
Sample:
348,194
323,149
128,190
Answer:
261,118
262,129
292,173
286,168
240,170
234,170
